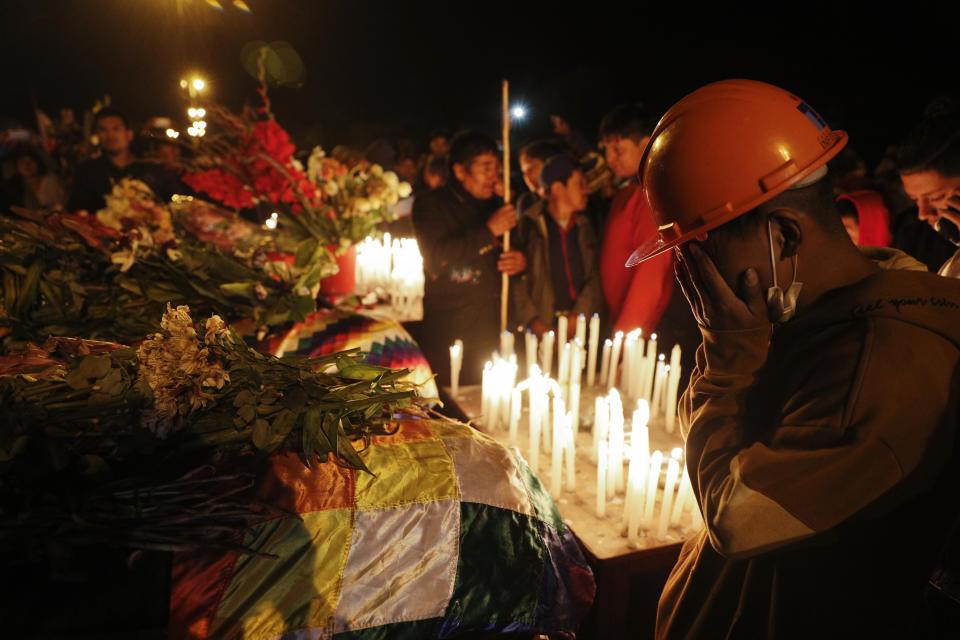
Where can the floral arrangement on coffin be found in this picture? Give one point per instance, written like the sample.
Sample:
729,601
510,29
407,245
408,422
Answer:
246,161
104,444
109,275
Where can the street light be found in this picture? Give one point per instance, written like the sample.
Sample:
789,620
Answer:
518,112
198,84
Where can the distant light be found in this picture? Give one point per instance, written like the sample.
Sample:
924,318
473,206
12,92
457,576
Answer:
198,84
201,112
200,124
172,133
192,113
519,112
271,222
201,132
184,84
193,131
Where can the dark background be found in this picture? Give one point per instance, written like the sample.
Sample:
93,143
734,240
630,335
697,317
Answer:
401,68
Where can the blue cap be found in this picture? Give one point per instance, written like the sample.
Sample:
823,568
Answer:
559,168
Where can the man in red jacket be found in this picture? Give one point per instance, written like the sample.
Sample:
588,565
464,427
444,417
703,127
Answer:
635,297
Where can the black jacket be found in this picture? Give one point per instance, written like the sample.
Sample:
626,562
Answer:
459,252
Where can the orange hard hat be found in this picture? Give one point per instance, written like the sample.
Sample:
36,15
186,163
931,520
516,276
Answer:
721,151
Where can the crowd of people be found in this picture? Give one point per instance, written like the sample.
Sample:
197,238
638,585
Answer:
820,418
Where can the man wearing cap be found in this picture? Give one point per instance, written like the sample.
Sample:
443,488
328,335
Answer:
820,422
563,274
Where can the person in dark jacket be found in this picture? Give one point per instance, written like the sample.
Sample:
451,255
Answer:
563,271
458,228
95,178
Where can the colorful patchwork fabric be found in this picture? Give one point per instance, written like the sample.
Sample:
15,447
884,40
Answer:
383,339
453,533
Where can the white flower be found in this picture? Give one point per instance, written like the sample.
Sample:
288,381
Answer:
362,205
391,179
296,164
376,171
330,188
375,202
404,189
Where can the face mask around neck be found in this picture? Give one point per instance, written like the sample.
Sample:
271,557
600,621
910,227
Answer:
781,306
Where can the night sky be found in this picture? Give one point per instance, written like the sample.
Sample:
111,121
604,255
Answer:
403,68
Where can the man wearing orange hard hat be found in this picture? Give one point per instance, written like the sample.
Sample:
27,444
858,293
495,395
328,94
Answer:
820,420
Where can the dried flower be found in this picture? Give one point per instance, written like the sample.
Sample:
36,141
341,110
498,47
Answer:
177,366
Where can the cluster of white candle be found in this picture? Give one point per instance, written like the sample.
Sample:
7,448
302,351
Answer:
645,374
644,474
645,381
393,268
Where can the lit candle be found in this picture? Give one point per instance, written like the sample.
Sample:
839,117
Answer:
515,408
634,500
658,381
683,496
535,392
615,462
637,370
581,331
600,418
673,387
650,369
570,451
653,481
605,361
573,397
485,391
555,470
592,349
456,359
531,349
563,370
546,353
602,480
506,344
626,371
673,470
640,432
561,332
615,359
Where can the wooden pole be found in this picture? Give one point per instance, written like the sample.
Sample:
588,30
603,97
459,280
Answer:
505,282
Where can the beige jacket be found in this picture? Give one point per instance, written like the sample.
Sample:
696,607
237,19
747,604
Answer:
819,456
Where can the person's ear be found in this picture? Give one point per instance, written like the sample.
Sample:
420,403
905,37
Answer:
556,189
788,232
459,171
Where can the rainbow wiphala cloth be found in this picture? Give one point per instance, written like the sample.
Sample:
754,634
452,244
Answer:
383,339
454,533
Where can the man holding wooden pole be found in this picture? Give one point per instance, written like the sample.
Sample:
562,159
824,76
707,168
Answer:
459,228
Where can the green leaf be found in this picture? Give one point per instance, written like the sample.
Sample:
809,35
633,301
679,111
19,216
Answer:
304,252
349,455
28,293
247,412
302,306
239,290
363,372
244,397
262,437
